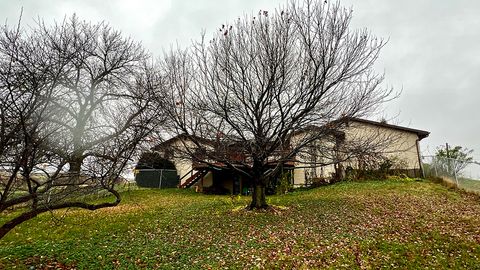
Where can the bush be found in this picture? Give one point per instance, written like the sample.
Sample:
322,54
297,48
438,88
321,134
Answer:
391,169
280,185
153,160
284,184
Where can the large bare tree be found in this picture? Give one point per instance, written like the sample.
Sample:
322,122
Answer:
261,81
75,105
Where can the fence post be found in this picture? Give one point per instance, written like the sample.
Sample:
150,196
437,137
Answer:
422,170
455,171
160,180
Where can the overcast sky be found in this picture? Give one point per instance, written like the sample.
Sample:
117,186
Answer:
433,53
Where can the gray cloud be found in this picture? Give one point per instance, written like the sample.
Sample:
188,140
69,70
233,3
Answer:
433,55
432,52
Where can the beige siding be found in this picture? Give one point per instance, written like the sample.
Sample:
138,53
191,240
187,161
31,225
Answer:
183,166
207,181
307,165
397,145
298,176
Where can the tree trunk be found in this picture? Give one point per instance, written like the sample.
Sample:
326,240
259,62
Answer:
75,165
75,168
258,198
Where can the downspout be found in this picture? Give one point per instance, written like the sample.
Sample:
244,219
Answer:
419,158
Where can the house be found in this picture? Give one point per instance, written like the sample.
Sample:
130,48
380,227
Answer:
360,144
371,139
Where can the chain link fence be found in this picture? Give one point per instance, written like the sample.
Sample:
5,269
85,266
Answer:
464,174
157,178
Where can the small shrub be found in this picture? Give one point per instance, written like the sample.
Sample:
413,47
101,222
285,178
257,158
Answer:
389,169
284,185
401,177
319,181
394,177
281,185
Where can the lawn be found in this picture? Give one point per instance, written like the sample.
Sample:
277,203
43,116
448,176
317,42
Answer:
377,224
469,184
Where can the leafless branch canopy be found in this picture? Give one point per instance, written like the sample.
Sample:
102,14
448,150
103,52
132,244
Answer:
263,80
75,104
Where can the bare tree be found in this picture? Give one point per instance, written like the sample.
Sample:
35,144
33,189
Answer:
75,105
259,82
453,161
97,98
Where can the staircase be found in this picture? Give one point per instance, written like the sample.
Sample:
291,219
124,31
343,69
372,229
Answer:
193,179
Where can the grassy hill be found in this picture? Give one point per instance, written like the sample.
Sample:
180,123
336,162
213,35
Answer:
378,224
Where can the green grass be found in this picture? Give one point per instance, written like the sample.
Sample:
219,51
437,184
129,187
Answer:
469,184
378,224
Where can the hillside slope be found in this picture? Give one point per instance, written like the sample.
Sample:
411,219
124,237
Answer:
349,225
